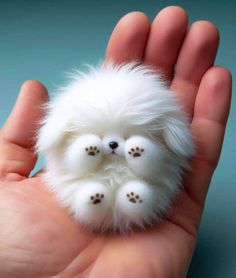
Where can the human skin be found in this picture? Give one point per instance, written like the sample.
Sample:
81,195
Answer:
39,239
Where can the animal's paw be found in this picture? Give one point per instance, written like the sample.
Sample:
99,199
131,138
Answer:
135,202
92,204
137,147
134,198
145,157
83,155
92,150
136,152
97,198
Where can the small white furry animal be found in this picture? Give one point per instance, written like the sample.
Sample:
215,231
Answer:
116,142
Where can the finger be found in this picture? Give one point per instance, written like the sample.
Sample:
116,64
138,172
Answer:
165,39
18,135
128,40
22,123
196,56
208,126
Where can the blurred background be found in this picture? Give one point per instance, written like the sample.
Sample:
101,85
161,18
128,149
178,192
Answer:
45,39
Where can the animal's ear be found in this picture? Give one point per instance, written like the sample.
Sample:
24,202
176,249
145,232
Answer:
54,129
177,137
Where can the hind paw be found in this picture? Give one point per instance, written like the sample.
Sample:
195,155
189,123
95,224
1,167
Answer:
134,198
134,201
92,204
97,198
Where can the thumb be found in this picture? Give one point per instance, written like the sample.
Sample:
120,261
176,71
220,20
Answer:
18,133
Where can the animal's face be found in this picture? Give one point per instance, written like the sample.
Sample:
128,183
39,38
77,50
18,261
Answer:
84,154
114,112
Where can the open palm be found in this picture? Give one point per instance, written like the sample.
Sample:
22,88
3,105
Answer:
39,239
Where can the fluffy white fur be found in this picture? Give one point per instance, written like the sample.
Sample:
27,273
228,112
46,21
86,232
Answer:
115,141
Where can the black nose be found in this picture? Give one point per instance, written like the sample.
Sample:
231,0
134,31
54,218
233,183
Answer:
113,145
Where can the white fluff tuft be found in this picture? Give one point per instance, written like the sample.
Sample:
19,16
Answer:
116,142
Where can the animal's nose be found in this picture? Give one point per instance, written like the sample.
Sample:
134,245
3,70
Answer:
113,145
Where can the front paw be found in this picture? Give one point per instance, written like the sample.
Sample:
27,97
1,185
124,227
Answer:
92,150
83,155
145,157
136,152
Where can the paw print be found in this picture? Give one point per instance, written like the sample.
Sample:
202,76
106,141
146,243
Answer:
92,150
136,152
134,198
97,198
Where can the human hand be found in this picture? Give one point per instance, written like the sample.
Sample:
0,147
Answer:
39,239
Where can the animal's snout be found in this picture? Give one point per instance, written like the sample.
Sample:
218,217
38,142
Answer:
113,145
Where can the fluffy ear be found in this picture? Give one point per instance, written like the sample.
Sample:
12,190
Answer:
178,138
52,132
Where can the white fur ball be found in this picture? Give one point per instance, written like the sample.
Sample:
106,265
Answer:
116,142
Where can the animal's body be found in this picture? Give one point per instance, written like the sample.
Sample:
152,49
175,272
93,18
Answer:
116,142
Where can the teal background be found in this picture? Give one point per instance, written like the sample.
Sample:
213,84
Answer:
44,39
